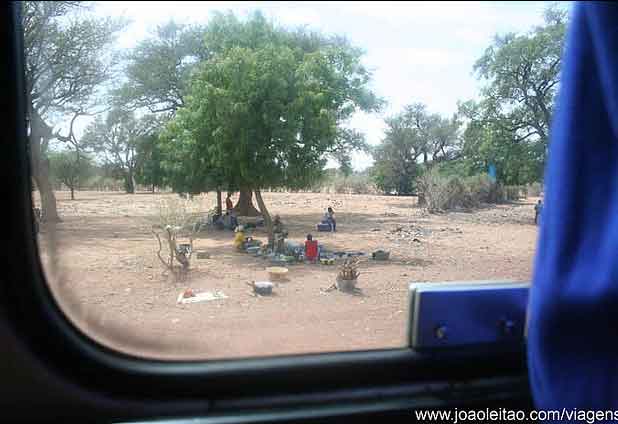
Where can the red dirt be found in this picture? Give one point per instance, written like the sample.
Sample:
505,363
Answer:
110,282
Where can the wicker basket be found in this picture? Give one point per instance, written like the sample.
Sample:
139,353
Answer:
346,285
277,273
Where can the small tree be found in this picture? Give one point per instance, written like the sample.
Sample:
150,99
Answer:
70,168
117,139
396,159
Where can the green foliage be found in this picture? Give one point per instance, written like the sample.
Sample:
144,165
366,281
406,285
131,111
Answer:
117,139
266,108
412,135
149,170
511,122
158,70
487,143
70,168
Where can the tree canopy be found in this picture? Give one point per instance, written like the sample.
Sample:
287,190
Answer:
521,74
158,69
117,139
412,136
70,168
267,107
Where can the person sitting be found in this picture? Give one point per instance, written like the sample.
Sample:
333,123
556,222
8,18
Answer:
329,217
279,235
239,238
230,221
311,248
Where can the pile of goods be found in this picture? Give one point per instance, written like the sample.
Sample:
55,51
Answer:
380,255
348,275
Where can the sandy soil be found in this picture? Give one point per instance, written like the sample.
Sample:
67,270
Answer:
110,282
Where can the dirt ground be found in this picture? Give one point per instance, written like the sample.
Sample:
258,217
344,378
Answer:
110,282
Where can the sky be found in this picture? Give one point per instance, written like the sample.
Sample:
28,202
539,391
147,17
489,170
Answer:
418,51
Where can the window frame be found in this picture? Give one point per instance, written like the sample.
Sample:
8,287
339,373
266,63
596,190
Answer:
36,319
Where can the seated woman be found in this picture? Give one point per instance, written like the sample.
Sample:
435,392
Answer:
239,238
311,248
329,217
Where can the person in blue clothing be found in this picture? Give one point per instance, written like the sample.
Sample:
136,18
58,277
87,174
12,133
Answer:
329,217
538,208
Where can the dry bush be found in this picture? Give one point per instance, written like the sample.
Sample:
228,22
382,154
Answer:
514,193
435,190
178,218
443,193
354,185
178,212
534,189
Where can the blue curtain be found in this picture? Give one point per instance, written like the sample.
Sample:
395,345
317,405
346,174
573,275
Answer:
573,321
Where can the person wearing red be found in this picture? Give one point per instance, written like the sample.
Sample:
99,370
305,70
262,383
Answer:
311,248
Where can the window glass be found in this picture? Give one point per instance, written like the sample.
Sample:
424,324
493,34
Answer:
236,179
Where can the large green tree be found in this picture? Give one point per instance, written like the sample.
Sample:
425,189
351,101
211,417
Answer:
521,73
268,106
66,62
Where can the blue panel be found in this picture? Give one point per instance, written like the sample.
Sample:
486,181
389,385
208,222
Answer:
492,172
463,316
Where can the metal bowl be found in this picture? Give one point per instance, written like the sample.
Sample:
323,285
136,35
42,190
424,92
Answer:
263,287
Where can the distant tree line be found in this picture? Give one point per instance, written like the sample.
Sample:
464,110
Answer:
246,105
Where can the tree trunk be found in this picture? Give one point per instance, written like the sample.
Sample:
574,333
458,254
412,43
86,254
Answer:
219,207
244,206
49,211
40,169
129,182
72,193
153,188
268,222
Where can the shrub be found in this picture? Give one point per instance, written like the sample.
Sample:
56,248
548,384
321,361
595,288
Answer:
443,193
354,184
435,190
177,212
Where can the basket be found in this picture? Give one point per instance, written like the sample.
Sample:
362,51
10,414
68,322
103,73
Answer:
346,285
276,273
